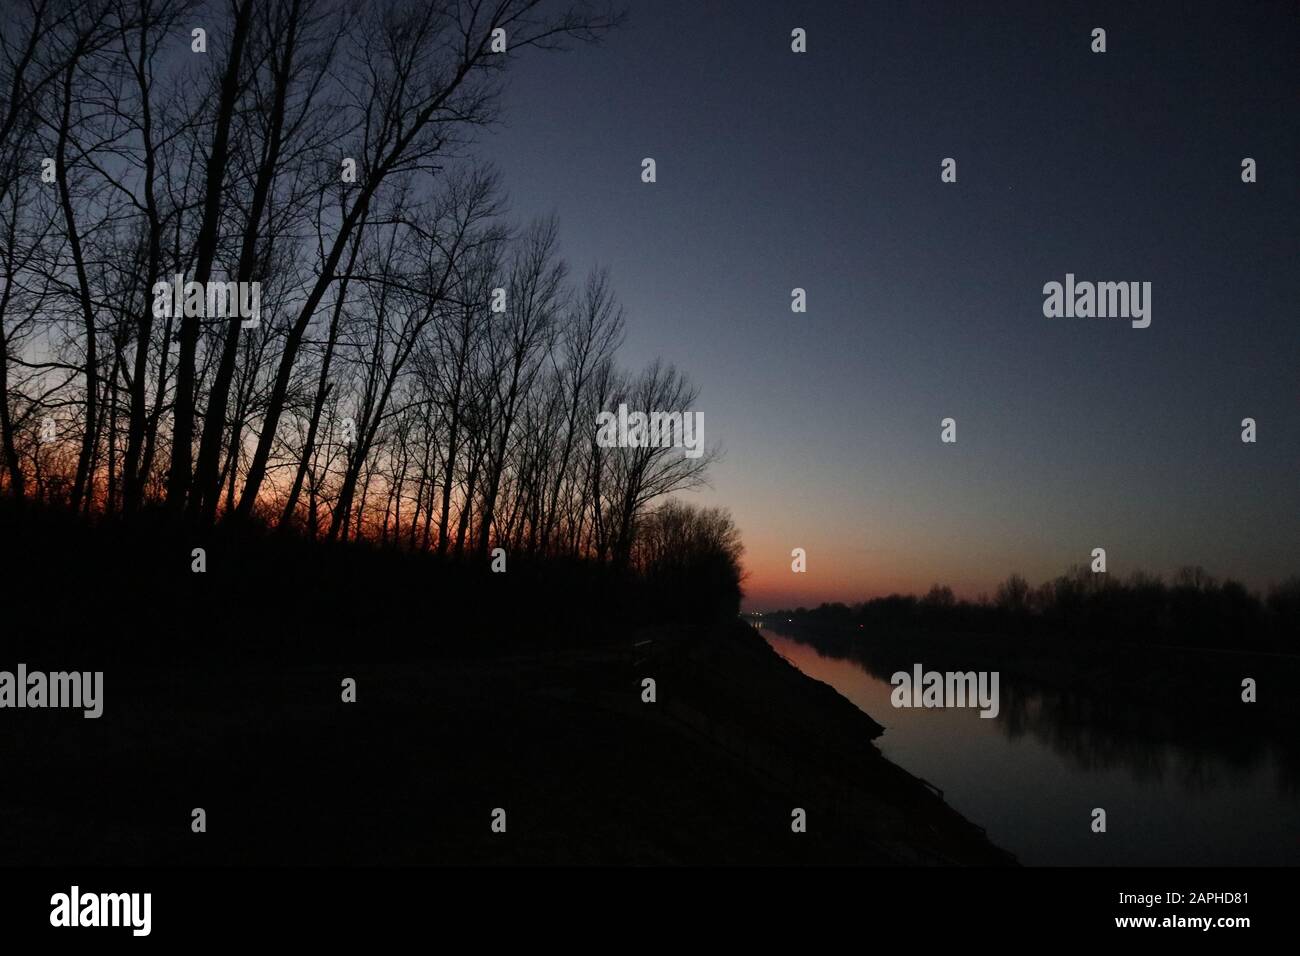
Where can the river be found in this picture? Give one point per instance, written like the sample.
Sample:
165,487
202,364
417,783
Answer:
1033,775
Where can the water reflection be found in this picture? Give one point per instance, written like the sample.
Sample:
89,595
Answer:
1178,787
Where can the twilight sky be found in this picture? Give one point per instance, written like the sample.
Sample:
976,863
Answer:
822,171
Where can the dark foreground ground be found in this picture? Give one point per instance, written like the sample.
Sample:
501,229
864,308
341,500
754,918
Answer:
520,691
411,772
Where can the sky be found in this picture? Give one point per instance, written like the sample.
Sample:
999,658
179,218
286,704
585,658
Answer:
821,171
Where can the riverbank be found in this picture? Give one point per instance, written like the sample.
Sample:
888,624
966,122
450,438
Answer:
412,772
352,704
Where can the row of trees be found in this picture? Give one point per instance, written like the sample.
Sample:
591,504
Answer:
690,559
423,372
1194,608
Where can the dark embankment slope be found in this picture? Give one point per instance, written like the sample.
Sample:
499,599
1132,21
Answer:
222,691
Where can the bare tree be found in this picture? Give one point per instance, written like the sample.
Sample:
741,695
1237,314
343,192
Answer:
382,394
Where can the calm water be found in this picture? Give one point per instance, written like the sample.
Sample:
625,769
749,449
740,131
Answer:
1032,776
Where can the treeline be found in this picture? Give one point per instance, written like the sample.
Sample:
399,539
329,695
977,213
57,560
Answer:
424,372
128,593
1193,609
